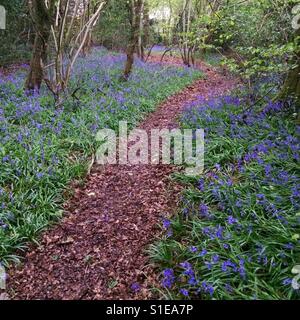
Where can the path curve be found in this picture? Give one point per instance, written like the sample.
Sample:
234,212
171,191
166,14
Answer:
98,249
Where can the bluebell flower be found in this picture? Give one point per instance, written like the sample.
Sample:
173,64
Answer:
268,169
201,185
260,196
185,212
169,278
227,265
215,258
203,253
184,292
204,210
208,265
218,167
219,232
185,265
239,203
242,269
193,281
193,249
287,282
208,288
231,220
166,223
289,246
135,287
228,288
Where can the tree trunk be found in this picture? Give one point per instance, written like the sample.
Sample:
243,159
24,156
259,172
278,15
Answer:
88,43
186,23
42,22
146,25
141,31
87,48
188,31
136,6
291,87
35,76
184,31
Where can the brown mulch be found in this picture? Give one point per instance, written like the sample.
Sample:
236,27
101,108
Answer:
98,250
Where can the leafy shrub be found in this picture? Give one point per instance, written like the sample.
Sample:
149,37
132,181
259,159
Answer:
256,37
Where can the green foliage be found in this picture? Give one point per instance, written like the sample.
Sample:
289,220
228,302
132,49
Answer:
14,40
113,29
261,62
256,36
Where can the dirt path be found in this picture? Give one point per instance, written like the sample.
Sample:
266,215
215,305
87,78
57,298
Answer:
98,250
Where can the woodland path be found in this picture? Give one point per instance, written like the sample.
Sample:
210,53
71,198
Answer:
98,250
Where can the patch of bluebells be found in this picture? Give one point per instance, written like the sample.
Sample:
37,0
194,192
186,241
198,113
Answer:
167,227
189,273
244,211
184,292
168,278
43,148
